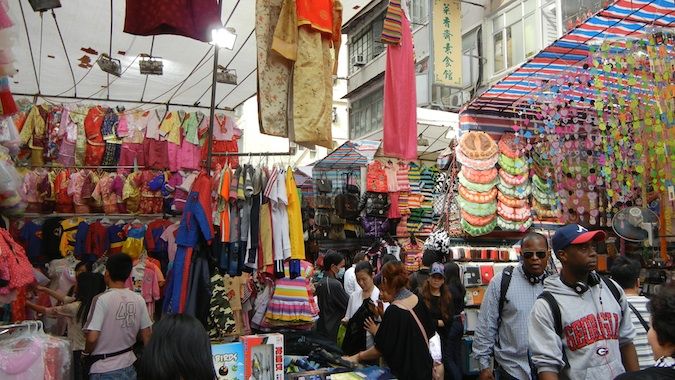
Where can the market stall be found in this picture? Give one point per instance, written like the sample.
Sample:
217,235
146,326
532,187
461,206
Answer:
578,133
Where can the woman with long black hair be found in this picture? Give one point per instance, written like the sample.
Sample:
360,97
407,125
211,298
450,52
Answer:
75,310
452,351
179,349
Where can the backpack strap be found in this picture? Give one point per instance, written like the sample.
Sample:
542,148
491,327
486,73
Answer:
507,274
555,310
612,288
639,316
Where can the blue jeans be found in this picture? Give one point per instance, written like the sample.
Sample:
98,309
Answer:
128,373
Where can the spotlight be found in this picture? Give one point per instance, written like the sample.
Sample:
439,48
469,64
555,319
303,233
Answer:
150,65
224,37
228,76
110,65
44,5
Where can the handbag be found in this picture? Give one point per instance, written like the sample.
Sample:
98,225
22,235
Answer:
377,204
337,220
322,218
324,185
434,345
324,201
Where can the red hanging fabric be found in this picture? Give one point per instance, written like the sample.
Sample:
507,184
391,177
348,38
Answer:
189,18
400,99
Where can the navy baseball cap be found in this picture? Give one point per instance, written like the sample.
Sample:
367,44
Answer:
574,234
438,269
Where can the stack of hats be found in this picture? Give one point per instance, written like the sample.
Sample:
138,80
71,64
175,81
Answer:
544,196
513,208
477,195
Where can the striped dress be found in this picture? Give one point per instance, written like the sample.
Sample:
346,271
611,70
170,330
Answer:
292,302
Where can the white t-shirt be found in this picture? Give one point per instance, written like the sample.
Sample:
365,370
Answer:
118,314
355,302
280,227
644,350
350,280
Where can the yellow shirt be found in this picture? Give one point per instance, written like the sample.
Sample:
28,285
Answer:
67,244
294,218
170,127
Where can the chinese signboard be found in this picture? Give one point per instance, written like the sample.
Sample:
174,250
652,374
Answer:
447,29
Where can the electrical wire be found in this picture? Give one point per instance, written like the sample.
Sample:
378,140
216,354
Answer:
145,85
70,66
235,87
184,81
30,45
226,65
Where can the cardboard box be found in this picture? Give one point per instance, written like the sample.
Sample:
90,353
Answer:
228,360
263,356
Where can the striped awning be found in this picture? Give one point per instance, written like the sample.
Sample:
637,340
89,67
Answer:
351,154
512,96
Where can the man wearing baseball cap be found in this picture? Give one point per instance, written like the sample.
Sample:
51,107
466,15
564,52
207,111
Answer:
580,327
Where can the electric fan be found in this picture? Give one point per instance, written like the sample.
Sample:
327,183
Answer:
636,224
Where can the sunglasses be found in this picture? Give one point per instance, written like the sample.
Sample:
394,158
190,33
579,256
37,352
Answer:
529,255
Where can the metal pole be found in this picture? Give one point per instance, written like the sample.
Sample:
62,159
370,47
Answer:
212,112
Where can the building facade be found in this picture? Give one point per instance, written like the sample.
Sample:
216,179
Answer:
497,36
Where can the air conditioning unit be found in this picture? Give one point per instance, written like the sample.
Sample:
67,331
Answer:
358,61
456,100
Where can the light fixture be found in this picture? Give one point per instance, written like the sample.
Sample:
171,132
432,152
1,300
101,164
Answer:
110,65
150,65
422,141
227,76
44,5
224,37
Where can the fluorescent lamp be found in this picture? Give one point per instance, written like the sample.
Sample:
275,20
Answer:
224,37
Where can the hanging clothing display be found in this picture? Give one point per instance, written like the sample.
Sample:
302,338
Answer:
103,136
189,18
274,72
305,34
400,100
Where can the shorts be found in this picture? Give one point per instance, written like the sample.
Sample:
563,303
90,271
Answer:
128,373
151,205
93,155
67,153
222,147
131,154
156,154
111,155
185,156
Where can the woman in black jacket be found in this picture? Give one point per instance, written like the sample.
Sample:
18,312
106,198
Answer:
661,337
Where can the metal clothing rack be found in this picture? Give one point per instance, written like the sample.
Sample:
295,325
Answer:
91,167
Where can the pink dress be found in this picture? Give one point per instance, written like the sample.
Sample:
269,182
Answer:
400,99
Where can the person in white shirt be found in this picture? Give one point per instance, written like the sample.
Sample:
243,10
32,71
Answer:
350,276
116,318
367,296
626,272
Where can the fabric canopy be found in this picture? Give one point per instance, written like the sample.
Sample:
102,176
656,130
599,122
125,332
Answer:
624,19
351,154
85,27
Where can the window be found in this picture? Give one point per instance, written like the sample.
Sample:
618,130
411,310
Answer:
366,45
575,12
365,114
513,37
470,59
419,12
549,23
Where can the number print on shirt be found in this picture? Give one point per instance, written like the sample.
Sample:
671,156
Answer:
127,314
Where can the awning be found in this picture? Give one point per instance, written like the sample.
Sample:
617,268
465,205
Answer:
85,27
512,96
350,155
